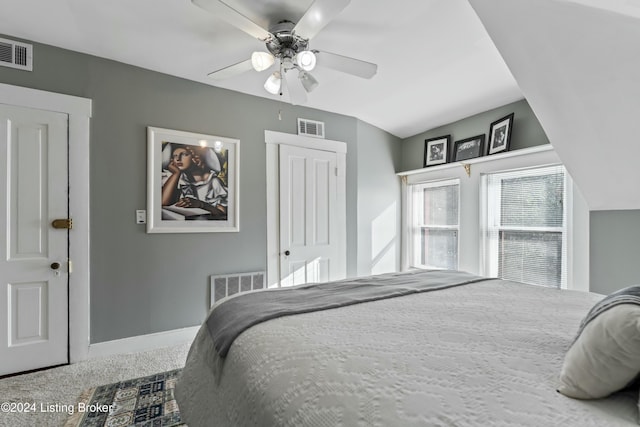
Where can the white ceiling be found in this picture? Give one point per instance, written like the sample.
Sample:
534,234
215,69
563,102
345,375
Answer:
436,63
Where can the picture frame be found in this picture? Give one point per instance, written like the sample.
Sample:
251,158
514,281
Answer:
500,134
436,150
192,182
468,148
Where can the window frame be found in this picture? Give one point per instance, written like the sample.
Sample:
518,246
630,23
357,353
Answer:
415,228
490,208
470,258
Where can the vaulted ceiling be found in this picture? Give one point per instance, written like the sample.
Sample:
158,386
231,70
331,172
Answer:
436,63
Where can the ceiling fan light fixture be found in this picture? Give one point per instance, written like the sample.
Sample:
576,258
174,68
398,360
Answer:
308,81
273,83
306,60
261,60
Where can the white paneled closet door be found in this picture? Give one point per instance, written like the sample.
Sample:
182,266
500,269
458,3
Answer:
309,240
33,260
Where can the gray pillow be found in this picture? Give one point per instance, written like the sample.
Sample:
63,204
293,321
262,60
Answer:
605,357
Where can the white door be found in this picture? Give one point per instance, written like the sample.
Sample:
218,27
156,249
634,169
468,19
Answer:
309,229
33,260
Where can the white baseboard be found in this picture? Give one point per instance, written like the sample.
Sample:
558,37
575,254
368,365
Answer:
142,342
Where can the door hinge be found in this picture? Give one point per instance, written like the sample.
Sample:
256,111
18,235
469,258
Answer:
63,223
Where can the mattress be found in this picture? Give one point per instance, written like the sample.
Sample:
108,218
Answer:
486,353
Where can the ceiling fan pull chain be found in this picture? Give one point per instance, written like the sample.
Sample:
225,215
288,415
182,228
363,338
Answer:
282,78
280,109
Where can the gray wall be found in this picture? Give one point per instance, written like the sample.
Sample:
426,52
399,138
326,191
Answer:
378,211
527,132
614,248
144,283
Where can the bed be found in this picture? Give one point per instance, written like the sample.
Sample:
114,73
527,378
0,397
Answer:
441,348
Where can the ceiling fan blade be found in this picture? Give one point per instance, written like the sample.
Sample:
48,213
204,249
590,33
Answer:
232,70
297,94
233,17
317,16
347,64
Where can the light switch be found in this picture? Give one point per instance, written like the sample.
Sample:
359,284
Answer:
141,217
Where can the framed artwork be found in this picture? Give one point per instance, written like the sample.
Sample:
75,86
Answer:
436,150
468,148
500,134
192,182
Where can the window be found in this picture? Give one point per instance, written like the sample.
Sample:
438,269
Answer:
525,225
435,224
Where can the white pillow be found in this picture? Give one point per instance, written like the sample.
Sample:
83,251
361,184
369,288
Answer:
606,355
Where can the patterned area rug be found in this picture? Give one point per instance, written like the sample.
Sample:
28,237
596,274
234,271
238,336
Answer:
140,402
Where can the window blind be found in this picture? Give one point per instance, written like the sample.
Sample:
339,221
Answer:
525,231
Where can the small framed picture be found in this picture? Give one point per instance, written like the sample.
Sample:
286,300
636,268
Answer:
436,150
500,134
468,148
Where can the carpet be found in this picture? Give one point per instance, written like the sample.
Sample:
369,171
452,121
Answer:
141,402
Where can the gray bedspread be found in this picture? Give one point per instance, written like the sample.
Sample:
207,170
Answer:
484,354
235,315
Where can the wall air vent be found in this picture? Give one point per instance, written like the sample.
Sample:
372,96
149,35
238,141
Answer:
16,55
229,284
310,128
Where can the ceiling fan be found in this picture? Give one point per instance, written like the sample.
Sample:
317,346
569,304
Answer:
288,43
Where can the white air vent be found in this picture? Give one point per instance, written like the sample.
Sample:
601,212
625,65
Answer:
16,55
229,284
310,128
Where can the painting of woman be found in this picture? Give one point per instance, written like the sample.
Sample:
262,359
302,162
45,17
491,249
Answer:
194,177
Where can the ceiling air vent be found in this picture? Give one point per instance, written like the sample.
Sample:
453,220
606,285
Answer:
16,55
310,128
